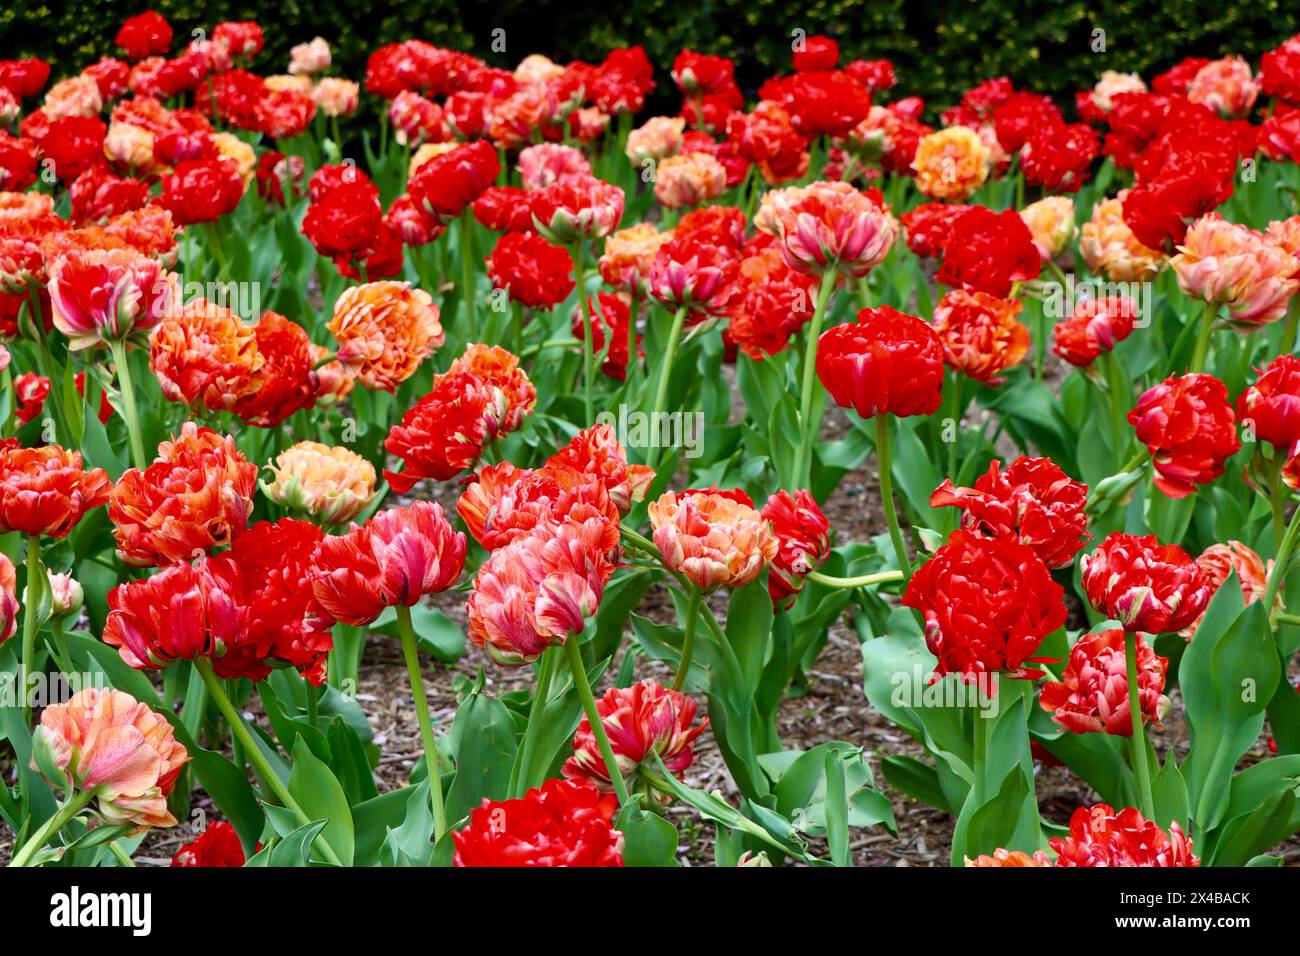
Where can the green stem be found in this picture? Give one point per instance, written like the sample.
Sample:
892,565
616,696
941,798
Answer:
688,637
574,653
129,412
887,492
861,581
422,716
954,413
1202,349
983,731
74,805
803,453
1281,561
254,752
587,347
1116,385
122,856
313,710
1286,617
541,694
467,269
30,623
1138,739
666,369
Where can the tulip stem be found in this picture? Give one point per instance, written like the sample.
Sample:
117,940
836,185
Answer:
467,269
1138,738
422,716
688,637
1280,563
1116,386
30,622
861,581
803,453
887,492
983,730
1202,348
74,805
587,347
666,369
253,751
129,412
574,653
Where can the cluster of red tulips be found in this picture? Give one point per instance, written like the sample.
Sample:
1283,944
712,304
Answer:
243,354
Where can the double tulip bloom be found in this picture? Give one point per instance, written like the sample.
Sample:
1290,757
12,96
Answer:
1032,501
106,743
331,485
109,295
831,227
539,590
561,823
195,497
1188,425
803,542
1101,837
394,559
643,722
987,604
1144,585
1223,262
1092,694
886,361
980,335
714,538
47,490
1095,326
384,331
1219,560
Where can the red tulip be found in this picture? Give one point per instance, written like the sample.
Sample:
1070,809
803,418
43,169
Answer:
989,252
644,722
886,361
217,845
394,559
1188,425
1101,837
803,542
1092,694
1033,501
1270,408
988,604
561,823
1144,585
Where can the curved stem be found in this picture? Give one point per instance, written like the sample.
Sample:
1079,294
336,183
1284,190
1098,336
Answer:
1202,349
861,581
30,623
803,453
416,681
129,412
666,369
122,856
1138,738
887,492
254,752
688,637
574,653
1128,473
74,805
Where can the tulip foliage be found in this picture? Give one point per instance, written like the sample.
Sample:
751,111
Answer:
487,366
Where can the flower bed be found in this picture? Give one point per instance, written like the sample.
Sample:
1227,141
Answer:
582,403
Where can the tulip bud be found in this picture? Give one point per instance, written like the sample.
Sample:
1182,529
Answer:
66,594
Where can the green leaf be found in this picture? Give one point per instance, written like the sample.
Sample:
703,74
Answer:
322,798
648,839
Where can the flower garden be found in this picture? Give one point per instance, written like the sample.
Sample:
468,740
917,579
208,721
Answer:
454,465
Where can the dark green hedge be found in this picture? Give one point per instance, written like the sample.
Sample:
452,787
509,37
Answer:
940,48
